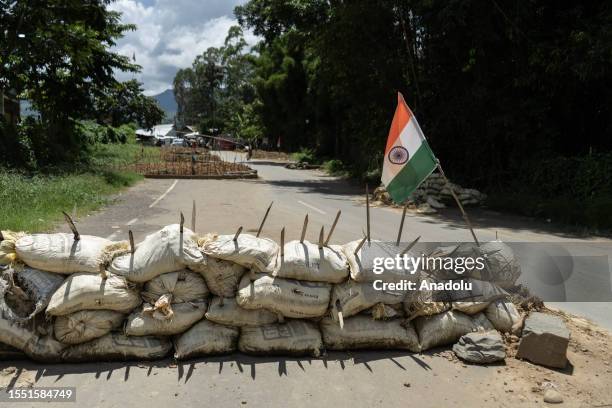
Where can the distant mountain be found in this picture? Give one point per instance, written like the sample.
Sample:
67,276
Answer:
167,102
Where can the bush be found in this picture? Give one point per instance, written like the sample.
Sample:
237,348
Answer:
305,155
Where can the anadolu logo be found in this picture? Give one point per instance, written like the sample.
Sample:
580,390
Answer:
398,155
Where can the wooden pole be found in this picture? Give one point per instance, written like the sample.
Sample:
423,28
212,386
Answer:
182,223
333,227
304,229
356,251
465,216
237,233
264,219
409,247
282,245
401,227
321,237
73,228
132,246
368,213
193,216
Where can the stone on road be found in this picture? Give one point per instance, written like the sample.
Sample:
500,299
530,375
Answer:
480,347
544,341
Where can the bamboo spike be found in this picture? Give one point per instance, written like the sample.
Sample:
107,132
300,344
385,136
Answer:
368,212
333,227
304,229
401,227
182,223
321,236
237,233
132,246
73,228
264,219
341,320
193,216
409,247
282,245
356,251
1,236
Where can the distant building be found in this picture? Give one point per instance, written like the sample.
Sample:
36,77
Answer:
150,136
10,108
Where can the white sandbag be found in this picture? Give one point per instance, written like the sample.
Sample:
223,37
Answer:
352,297
37,347
34,289
230,314
206,338
288,297
503,315
90,291
182,286
446,328
294,337
166,250
306,261
86,325
116,346
248,250
144,323
222,277
362,332
476,299
60,253
362,264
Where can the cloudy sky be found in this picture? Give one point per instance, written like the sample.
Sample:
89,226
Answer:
170,34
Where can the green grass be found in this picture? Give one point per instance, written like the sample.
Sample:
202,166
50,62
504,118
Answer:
34,203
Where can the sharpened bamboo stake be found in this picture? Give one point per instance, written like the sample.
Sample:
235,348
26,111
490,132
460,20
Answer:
356,251
73,228
193,216
368,212
132,246
1,236
401,227
340,314
264,219
237,233
182,223
333,227
321,236
304,229
282,245
409,247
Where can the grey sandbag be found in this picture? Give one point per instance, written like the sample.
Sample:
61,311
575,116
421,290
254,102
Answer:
288,297
353,297
91,291
116,346
166,250
37,347
143,323
503,315
294,337
86,325
362,267
447,328
362,332
34,289
206,338
230,314
222,277
183,286
8,352
307,261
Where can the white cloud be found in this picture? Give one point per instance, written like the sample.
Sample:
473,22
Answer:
170,34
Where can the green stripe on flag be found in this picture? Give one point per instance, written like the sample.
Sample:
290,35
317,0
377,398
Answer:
418,168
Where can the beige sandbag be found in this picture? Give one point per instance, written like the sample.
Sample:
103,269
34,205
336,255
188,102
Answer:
116,346
248,250
144,323
37,347
425,302
60,253
362,332
477,299
183,286
288,297
446,328
362,266
206,338
86,325
306,261
222,277
294,337
381,311
503,315
90,291
229,313
352,297
166,250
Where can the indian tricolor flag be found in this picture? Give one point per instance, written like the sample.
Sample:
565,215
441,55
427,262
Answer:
408,158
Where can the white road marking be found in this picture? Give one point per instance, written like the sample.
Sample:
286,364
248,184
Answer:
113,235
132,221
161,197
311,207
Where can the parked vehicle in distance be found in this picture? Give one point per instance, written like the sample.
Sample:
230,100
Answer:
179,142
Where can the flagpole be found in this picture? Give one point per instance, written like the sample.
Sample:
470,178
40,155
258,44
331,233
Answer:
465,216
